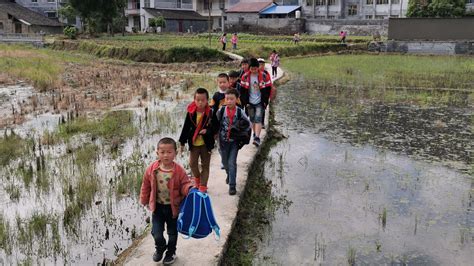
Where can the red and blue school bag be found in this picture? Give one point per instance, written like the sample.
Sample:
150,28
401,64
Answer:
196,218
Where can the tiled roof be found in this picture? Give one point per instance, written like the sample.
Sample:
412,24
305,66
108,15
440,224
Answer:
246,7
27,15
175,14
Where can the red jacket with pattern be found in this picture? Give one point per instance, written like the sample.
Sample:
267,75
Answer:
178,185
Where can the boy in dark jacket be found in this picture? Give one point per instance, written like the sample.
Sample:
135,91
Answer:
230,118
197,132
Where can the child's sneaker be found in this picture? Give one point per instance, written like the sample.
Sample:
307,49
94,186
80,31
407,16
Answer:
256,141
169,259
157,256
232,191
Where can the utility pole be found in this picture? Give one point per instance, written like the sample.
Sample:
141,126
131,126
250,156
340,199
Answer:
209,21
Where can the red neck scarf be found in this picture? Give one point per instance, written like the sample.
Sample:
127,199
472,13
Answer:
192,109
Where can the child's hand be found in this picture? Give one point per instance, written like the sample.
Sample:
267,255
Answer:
202,132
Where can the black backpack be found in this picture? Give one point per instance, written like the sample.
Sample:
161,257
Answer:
240,131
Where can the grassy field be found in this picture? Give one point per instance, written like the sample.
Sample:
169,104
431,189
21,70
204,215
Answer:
42,67
248,45
386,71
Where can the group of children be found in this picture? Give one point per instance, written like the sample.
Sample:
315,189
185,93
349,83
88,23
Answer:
236,109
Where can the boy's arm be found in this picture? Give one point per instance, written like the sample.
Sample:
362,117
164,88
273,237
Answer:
183,138
145,189
214,103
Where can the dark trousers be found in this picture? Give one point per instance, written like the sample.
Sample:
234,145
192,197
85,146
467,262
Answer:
229,152
161,216
196,152
274,71
223,46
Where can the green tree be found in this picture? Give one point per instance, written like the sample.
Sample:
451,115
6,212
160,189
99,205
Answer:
97,14
436,8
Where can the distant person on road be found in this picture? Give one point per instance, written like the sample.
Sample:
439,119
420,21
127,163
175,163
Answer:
197,133
296,38
275,62
342,36
232,124
223,40
234,41
256,88
165,184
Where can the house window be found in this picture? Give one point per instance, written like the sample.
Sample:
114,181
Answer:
320,2
135,4
34,1
395,2
352,11
382,2
379,17
147,3
51,1
1,26
331,2
370,2
331,17
51,14
368,16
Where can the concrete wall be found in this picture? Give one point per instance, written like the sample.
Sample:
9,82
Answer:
436,48
353,27
251,22
437,29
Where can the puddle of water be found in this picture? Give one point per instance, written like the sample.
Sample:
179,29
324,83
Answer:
355,202
114,217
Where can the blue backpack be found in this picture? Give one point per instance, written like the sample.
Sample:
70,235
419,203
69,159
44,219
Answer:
196,218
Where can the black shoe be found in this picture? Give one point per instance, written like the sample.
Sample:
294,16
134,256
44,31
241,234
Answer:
157,256
169,259
227,180
256,141
232,191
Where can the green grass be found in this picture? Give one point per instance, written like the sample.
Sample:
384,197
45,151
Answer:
42,67
5,243
385,71
168,48
11,147
114,125
86,155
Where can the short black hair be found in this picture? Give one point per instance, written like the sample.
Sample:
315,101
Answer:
233,91
234,74
167,141
202,91
244,61
254,62
223,75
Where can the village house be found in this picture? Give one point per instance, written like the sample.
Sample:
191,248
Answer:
15,18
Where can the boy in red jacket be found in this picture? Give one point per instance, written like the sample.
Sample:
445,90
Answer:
165,184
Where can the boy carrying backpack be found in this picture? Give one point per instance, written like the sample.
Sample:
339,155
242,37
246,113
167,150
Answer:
234,131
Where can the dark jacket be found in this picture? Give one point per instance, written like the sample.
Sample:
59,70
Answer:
190,125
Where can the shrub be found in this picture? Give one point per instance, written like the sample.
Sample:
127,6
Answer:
70,32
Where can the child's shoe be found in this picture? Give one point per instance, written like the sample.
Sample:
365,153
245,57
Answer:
158,255
202,189
256,141
169,259
232,191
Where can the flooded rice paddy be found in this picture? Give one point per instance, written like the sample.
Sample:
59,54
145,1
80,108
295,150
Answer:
70,180
372,180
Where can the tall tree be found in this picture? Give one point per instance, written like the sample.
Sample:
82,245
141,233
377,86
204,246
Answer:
436,8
